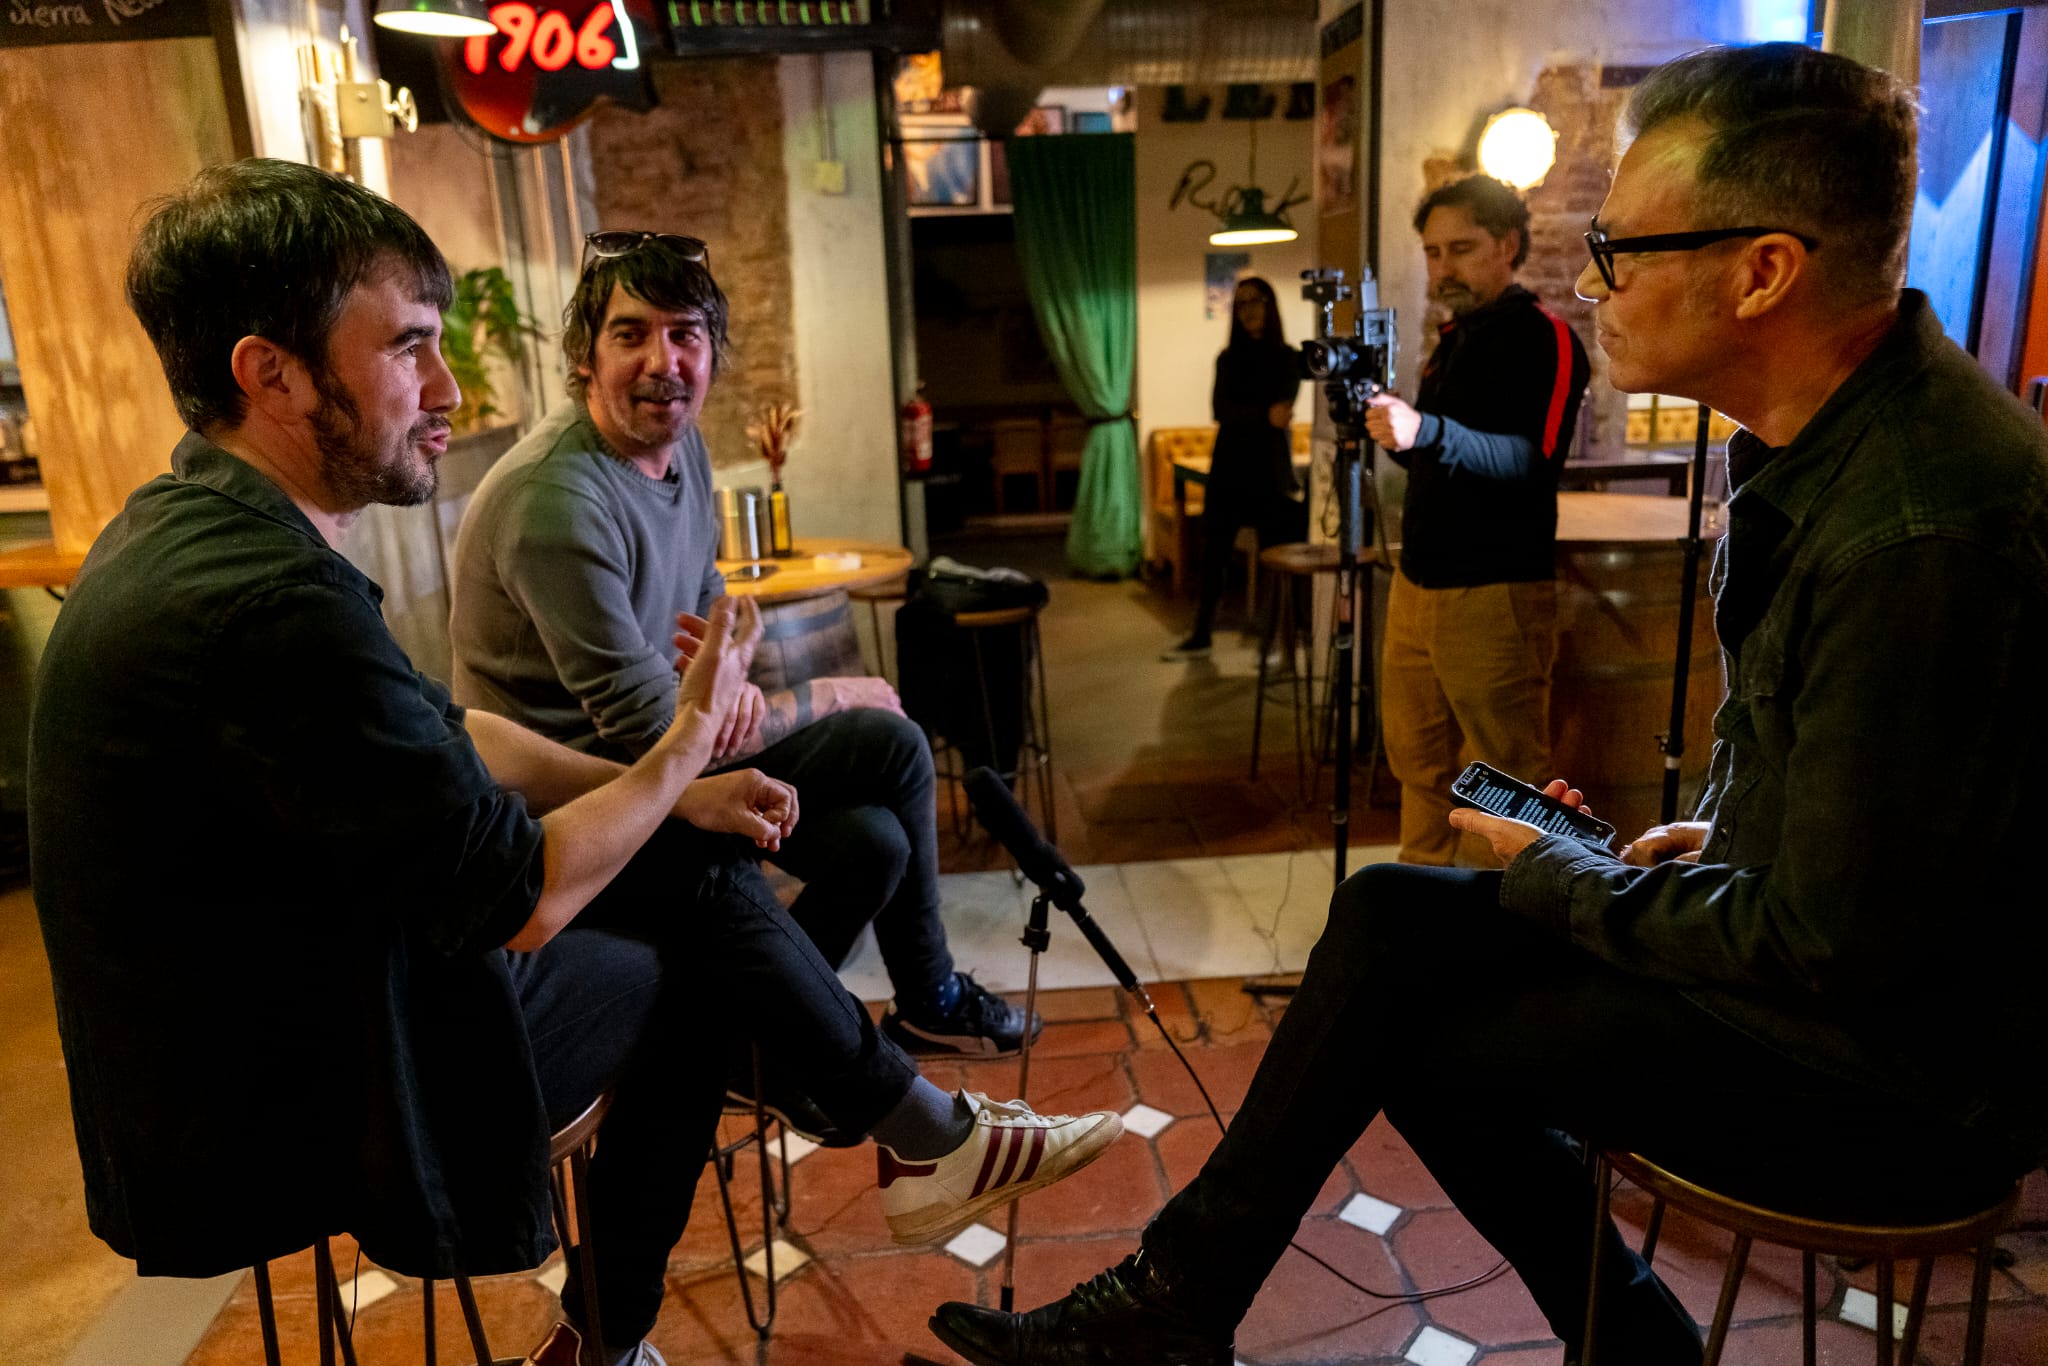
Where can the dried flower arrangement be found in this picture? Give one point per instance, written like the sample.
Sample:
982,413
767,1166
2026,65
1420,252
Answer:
775,432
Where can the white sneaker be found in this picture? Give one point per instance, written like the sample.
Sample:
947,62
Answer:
1012,1151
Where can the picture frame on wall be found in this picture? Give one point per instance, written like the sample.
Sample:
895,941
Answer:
1090,121
942,159
1044,120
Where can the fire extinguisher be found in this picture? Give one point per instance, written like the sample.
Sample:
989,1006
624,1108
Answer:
914,434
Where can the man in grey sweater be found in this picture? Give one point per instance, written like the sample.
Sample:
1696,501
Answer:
595,536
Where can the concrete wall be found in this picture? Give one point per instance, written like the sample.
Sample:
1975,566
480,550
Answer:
841,476
1177,345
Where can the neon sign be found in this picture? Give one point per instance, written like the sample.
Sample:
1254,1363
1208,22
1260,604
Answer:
550,42
549,63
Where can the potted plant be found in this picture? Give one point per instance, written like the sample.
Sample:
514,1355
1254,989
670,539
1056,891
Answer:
482,324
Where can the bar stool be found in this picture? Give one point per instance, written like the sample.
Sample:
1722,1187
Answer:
1971,1229
874,595
1291,569
774,1200
1034,739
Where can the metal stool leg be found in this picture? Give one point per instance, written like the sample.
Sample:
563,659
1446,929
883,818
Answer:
1909,1345
1724,1310
1602,1189
1039,723
1980,1299
1653,1229
1883,1315
1809,1310
477,1342
1271,617
330,1288
266,1314
430,1349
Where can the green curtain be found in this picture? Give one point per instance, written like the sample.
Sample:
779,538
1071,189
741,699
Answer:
1077,236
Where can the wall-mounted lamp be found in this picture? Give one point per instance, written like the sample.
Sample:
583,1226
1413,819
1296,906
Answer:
436,18
1518,148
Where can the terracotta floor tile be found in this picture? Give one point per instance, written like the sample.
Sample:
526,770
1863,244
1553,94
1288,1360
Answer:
516,1313
1835,1344
2015,1335
1059,1084
1388,1168
1304,1314
1070,1038
1438,1248
1226,1071
1116,1194
837,1208
1949,1285
857,1310
1136,842
1077,1003
1522,1356
1183,1147
1229,1014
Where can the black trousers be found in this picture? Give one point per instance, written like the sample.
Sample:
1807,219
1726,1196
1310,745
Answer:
1485,1041
866,844
650,990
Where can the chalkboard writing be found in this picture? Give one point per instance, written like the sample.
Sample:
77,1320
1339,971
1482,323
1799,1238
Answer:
38,23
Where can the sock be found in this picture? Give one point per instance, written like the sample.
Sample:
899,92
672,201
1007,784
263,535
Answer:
940,1002
926,1124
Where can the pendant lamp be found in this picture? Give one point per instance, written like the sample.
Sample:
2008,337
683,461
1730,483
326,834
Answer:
1246,220
436,18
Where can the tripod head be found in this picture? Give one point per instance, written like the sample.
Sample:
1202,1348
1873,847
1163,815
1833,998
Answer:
1351,369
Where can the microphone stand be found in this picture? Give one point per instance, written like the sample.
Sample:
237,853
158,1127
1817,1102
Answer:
1672,742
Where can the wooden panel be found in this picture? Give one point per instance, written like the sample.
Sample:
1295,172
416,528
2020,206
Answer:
88,134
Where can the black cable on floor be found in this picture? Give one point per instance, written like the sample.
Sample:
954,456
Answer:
1410,1297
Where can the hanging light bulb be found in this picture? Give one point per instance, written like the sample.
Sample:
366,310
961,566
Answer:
436,18
1518,148
1246,221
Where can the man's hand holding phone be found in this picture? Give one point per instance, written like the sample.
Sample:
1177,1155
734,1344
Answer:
1510,837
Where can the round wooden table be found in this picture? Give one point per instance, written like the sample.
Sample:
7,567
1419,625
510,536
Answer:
1620,574
806,617
800,576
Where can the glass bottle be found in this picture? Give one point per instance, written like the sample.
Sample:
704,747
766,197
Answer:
780,539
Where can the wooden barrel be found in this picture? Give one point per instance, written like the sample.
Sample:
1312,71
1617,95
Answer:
1610,696
804,639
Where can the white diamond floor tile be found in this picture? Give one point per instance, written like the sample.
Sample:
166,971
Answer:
1145,1121
789,1258
795,1146
1434,1347
1374,1216
553,1276
977,1245
366,1289
1860,1308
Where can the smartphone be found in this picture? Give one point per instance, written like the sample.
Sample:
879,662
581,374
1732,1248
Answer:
1487,788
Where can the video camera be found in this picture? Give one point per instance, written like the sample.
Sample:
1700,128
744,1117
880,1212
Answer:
1351,369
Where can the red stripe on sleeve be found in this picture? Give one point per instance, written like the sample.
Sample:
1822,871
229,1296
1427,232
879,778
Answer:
1560,391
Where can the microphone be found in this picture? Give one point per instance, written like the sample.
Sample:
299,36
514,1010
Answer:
997,810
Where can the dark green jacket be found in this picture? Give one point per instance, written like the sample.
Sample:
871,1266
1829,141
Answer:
1869,899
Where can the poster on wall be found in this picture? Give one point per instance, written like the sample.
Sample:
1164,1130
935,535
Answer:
43,23
1220,273
1337,147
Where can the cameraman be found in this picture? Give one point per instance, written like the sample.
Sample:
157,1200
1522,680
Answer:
1472,618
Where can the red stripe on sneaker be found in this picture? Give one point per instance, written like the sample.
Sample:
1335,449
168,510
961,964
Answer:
1037,1151
1561,388
889,1167
1015,1150
988,1161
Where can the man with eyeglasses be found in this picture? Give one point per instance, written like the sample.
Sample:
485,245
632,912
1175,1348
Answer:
1819,995
1472,614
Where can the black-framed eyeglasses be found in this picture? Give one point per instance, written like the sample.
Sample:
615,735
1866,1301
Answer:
622,242
1604,248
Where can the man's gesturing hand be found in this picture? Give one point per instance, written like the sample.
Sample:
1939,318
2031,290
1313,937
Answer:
746,802
1509,837
1392,422
716,675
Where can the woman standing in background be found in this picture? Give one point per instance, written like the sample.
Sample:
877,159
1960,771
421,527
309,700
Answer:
1251,478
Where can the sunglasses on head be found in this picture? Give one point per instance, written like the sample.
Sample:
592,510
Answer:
606,245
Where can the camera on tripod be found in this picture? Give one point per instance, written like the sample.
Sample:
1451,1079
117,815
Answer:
1351,369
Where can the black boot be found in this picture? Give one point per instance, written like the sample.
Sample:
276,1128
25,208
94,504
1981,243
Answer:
1124,1316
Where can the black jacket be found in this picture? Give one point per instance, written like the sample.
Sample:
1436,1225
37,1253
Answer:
1500,401
1254,460
273,876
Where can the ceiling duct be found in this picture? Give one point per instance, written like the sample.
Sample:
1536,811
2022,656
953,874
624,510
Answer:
1009,50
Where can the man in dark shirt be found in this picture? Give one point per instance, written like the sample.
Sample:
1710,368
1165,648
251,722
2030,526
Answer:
1472,615
332,954
1820,995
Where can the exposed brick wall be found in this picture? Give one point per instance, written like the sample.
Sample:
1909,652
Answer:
707,161
1586,118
